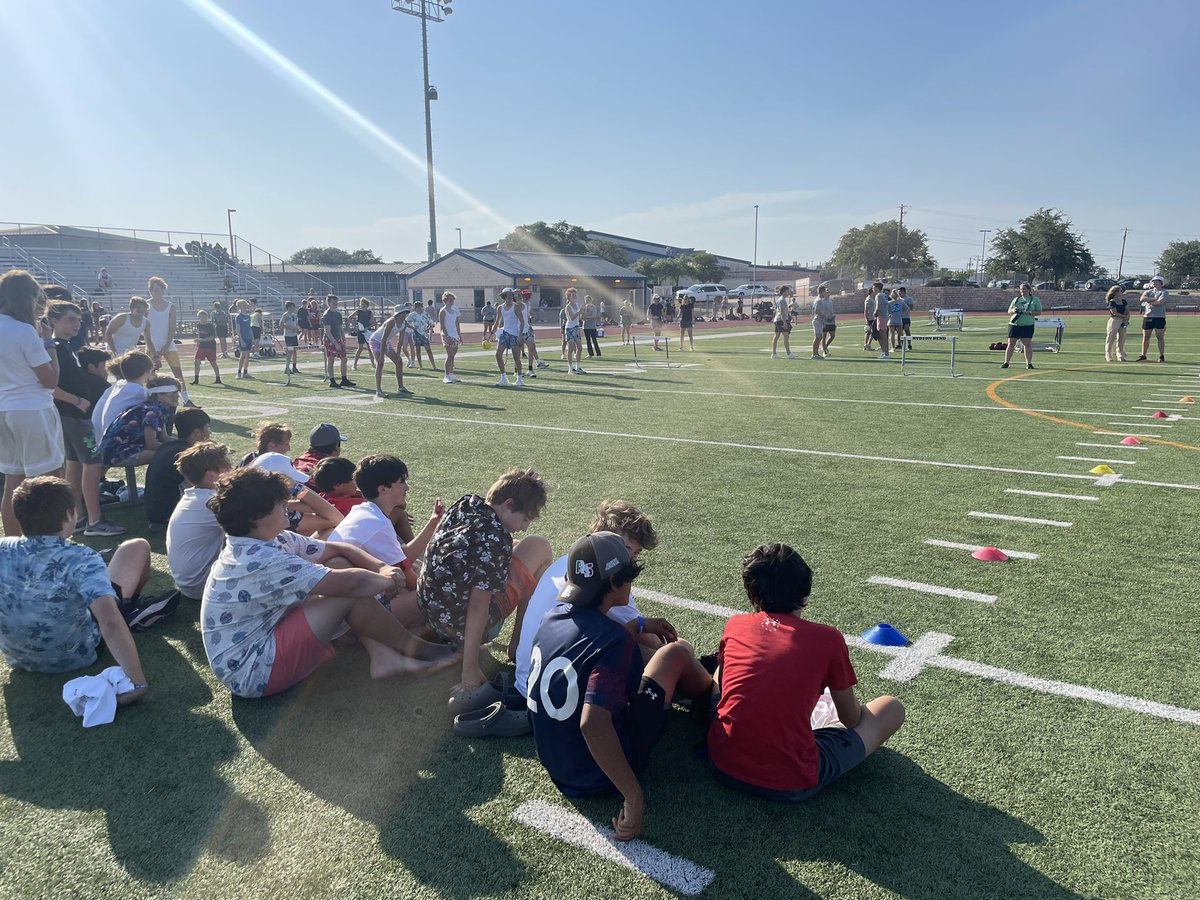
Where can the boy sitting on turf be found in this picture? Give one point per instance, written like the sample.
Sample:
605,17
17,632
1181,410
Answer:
474,577
194,538
333,479
597,711
163,480
773,668
271,606
57,599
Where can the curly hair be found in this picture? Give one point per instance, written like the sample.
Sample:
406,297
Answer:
524,487
244,496
625,519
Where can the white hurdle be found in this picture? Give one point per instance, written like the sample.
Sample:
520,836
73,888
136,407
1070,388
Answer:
905,346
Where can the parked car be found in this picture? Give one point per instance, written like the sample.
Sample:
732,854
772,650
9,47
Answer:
1003,283
973,284
1129,284
1098,284
751,291
1045,286
1079,286
699,292
944,282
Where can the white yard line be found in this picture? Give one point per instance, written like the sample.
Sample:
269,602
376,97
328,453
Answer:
674,872
1129,434
1113,446
924,644
1110,462
1138,424
1015,554
1049,494
1023,519
923,588
1162,407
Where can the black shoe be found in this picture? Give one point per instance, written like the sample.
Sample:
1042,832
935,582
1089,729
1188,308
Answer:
145,613
333,383
1140,359
1005,366
218,381
346,382
195,381
1029,365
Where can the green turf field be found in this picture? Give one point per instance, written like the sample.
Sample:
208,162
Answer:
1052,749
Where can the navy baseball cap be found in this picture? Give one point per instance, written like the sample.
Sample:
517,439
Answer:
591,562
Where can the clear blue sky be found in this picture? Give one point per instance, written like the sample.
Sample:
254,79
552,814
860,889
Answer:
664,120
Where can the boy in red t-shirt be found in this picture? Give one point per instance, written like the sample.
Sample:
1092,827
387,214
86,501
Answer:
773,668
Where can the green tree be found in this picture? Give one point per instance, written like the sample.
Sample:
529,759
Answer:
1043,247
1180,260
561,237
332,256
703,266
871,250
671,270
610,250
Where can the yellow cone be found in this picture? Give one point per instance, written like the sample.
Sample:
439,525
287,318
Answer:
1187,400
1102,470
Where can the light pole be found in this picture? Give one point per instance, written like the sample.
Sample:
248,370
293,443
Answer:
459,230
427,11
754,261
983,252
229,221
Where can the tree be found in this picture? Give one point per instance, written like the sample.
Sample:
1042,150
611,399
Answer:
1043,247
1180,260
871,250
561,237
703,266
671,270
332,256
610,250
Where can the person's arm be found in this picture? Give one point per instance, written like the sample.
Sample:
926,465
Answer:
357,557
152,441
415,548
849,710
661,627
120,644
327,517
74,400
108,332
596,725
356,583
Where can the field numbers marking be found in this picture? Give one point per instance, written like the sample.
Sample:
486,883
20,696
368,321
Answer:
1024,519
922,588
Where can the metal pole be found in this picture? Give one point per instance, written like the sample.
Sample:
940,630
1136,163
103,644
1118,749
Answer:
754,263
1121,264
428,132
983,252
459,230
229,219
896,259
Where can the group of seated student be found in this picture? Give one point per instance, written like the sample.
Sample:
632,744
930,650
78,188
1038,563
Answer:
279,576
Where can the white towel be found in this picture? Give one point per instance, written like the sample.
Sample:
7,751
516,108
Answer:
95,696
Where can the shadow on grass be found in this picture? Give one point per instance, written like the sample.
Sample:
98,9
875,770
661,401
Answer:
152,772
384,752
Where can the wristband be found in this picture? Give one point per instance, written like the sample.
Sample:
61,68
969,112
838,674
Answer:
48,343
140,687
641,624
79,402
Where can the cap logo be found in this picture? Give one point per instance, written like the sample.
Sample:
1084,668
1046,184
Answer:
586,569
611,564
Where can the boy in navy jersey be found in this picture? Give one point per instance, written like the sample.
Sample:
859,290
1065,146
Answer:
596,712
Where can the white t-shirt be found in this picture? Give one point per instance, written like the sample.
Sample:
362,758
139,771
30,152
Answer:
367,528
194,541
121,396
451,321
20,351
544,599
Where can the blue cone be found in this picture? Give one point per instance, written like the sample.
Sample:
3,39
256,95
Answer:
886,635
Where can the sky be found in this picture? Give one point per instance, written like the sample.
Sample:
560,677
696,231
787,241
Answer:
666,120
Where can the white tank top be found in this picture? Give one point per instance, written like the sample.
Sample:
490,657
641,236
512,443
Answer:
512,321
452,314
125,337
160,322
572,318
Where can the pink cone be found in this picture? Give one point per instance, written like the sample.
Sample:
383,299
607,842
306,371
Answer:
990,554
1158,415
1130,441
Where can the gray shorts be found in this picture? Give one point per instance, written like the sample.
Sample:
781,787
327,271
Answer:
839,749
80,440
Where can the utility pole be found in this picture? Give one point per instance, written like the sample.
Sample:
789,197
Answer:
1121,264
754,262
896,258
983,252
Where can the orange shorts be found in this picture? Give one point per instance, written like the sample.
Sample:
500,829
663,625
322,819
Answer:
520,583
297,652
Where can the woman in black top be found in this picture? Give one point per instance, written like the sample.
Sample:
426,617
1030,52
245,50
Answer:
686,309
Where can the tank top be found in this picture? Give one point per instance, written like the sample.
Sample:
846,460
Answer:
126,336
452,314
160,322
512,320
572,318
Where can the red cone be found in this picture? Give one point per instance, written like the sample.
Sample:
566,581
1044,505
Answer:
990,554
1130,441
1158,415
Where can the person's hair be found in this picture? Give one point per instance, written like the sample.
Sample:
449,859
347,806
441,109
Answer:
19,293
1115,291
332,471
244,496
254,301
784,290
135,300
365,303
242,305
56,309
164,381
448,295
199,459
156,281
524,487
57,292
202,313
378,471
131,365
93,356
291,304
627,520
820,290
42,503
270,433
329,297
777,579
188,420
878,285
902,289
1025,284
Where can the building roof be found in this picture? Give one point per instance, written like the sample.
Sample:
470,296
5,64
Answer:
72,231
316,269
544,265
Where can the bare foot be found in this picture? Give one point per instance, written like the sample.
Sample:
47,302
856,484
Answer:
386,662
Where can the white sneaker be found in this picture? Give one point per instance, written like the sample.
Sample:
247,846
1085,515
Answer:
449,379
884,356
774,356
791,356
815,356
381,395
503,382
520,382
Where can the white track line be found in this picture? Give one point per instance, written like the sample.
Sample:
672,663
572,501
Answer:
968,667
674,872
1162,406
1113,446
1024,519
923,588
1025,493
1015,554
1138,424
1093,459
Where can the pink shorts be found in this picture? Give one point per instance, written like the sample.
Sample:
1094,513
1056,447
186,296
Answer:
449,342
297,652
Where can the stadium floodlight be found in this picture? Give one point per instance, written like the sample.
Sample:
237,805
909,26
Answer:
427,11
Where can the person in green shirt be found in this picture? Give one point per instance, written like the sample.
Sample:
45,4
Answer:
1024,311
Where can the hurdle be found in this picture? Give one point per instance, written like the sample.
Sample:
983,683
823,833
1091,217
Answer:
1053,344
947,319
906,347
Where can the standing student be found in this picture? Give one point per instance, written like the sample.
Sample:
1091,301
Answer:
220,321
1154,316
626,314
333,337
160,332
1118,323
245,337
870,302
508,339
591,318
385,345
656,318
571,334
783,323
364,324
909,306
256,324
824,323
448,318
289,323
529,342
31,441
1023,311
124,329
421,325
206,346
487,315
687,310
897,306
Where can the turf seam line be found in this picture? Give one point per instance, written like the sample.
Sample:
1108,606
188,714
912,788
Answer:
1024,519
1016,554
922,588
1026,493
